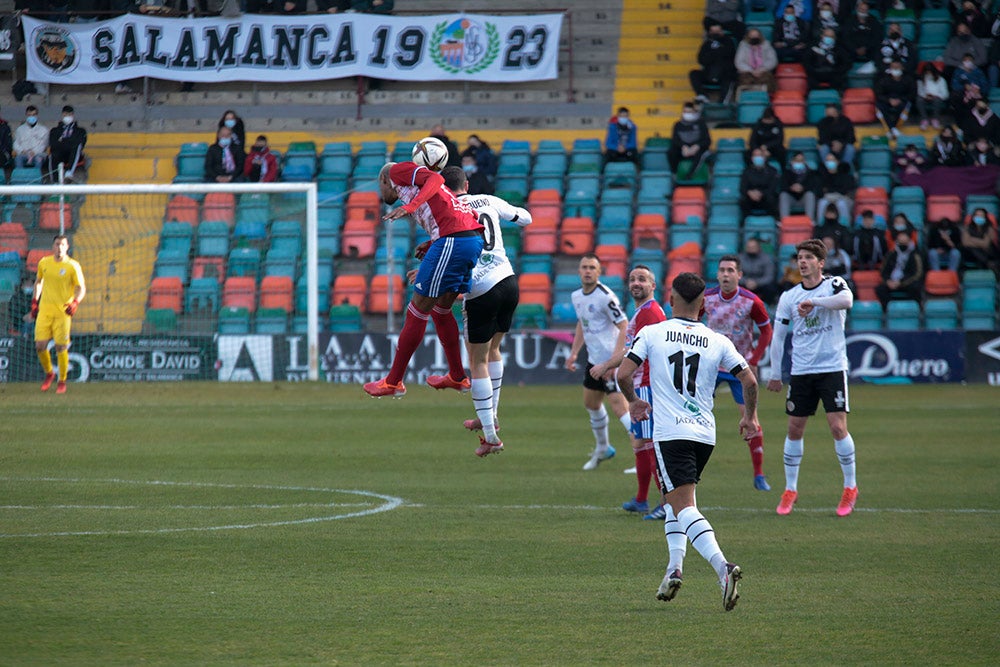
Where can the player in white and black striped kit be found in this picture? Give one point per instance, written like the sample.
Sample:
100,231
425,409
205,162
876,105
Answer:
488,307
684,357
815,310
600,324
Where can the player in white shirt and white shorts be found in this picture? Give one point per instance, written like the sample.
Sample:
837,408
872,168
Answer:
815,311
488,307
601,324
684,357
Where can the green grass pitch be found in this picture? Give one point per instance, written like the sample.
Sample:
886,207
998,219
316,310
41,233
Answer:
301,524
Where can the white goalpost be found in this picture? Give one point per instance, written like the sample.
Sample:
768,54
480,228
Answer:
118,233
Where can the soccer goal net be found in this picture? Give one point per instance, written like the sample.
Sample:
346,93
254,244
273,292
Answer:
168,268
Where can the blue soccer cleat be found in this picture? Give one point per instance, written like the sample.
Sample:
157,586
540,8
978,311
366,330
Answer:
760,483
635,506
659,513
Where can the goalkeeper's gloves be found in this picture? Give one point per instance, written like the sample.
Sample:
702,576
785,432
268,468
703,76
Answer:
34,309
71,307
422,249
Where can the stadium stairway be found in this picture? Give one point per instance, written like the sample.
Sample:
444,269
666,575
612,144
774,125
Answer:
115,243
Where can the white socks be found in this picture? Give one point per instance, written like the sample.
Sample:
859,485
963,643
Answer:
676,540
496,377
793,458
482,401
626,420
702,536
599,425
845,454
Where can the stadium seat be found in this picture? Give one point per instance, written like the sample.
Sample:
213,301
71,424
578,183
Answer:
902,316
683,258
565,284
174,237
541,236
363,206
13,237
789,106
234,321
795,229
545,203
816,102
172,264
529,316
576,236
620,175
209,267
161,320
940,207
240,291
379,301
942,283
563,315
31,261
302,296
872,198
50,219
536,288
514,164
271,321
536,264
751,105
687,201
940,314
792,77
979,278
989,202
181,208
865,282
166,292
614,260
515,146
244,262
866,316
250,232
358,238
219,206
202,296
276,292
859,105
351,289
650,230
345,318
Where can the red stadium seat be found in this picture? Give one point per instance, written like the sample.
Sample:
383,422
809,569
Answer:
541,236
687,201
795,229
576,236
219,206
545,203
789,106
875,199
277,292
536,288
792,77
182,209
649,229
942,283
240,292
363,206
166,293
378,299
859,104
14,238
865,282
48,216
358,238
209,267
614,260
350,289
31,263
940,207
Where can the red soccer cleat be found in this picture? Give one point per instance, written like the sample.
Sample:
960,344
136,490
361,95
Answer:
788,499
381,388
487,448
445,382
61,388
846,505
47,382
477,425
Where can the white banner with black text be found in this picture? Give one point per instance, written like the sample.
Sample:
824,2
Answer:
447,47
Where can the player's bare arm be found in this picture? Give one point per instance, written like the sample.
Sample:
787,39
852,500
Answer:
638,409
749,426
574,350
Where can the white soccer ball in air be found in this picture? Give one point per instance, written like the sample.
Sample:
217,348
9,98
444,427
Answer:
431,153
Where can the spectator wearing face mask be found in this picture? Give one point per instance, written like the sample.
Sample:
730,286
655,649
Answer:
798,188
932,94
827,63
235,124
66,143
862,35
755,62
768,134
980,245
895,91
690,140
962,44
896,48
824,19
980,123
837,185
790,37
982,153
802,8
479,184
621,142
836,135
485,159
224,161
944,245
717,72
828,224
971,15
31,140
900,224
260,165
902,273
867,245
759,186
947,150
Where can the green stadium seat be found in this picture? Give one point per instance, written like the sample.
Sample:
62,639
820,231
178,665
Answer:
234,321
345,318
530,316
273,321
161,320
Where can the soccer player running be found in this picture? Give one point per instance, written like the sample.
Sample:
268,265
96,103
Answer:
815,310
488,306
600,324
59,289
444,272
733,311
684,356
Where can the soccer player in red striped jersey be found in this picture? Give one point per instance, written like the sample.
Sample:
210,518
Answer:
445,270
733,311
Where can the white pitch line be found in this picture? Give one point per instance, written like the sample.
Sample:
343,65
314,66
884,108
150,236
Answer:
153,508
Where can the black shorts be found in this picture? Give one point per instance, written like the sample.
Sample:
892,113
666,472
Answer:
805,392
681,462
491,313
608,387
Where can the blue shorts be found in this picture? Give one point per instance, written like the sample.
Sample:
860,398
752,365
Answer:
644,430
735,386
447,266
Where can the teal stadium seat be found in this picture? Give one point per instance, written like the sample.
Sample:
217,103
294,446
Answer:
234,321
940,314
866,316
213,239
903,316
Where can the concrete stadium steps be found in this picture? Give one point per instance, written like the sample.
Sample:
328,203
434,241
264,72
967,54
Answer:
116,243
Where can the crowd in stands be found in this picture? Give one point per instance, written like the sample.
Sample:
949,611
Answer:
38,153
91,10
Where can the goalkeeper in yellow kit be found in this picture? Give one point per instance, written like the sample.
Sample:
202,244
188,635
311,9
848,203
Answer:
59,289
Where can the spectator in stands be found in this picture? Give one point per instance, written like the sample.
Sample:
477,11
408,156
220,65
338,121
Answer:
868,246
895,90
454,157
275,7
790,274
19,318
333,6
980,123
827,63
479,184
982,153
968,85
824,19
31,140
836,135
980,245
759,271
838,262
768,134
235,124
759,186
947,150
689,141
932,94
963,42
902,273
828,223
896,48
910,161
900,224
727,14
373,6
972,15
621,143
260,165
6,149
756,62
993,57
798,188
225,159
836,186
66,143
790,37
803,9
485,160
944,245
718,71
863,35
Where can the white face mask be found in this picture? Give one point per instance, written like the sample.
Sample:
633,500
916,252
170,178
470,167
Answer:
689,117
67,120
623,120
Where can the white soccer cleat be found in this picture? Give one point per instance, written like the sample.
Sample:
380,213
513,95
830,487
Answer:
598,456
671,583
730,593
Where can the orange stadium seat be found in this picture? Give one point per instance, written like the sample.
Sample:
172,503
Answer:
865,282
541,236
684,258
358,238
792,76
277,292
363,206
875,199
48,216
859,105
209,267
545,202
166,293
536,288
795,229
219,206
576,236
789,106
349,289
378,297
31,262
649,228
940,207
14,238
688,201
240,292
614,260
182,209
942,283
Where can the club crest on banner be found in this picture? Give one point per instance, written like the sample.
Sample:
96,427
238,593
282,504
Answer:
464,45
56,49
